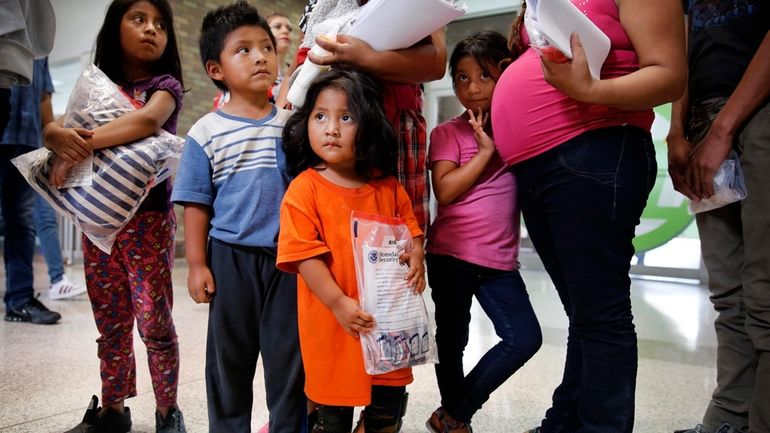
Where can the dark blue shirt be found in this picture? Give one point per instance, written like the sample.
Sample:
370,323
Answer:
24,126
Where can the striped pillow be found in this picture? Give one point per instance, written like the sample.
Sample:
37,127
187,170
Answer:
120,177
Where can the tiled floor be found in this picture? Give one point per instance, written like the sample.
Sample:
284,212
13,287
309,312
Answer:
48,373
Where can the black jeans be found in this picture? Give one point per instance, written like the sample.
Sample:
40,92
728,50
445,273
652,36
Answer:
253,311
581,202
504,298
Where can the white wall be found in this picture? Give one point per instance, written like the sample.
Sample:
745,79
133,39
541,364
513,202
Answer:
478,8
77,23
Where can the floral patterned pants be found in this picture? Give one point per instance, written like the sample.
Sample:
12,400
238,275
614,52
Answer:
134,281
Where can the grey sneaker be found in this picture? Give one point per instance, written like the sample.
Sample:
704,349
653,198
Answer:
172,423
724,428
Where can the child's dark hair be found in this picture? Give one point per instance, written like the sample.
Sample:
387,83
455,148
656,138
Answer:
488,47
375,143
220,22
109,53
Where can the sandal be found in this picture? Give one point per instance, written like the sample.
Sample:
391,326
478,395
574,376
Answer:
437,423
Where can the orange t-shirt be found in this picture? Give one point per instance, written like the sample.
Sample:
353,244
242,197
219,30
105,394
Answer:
315,222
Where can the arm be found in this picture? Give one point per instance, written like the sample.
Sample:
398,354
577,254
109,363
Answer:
75,144
415,259
46,110
200,282
752,91
346,309
423,62
68,143
136,124
450,180
656,30
679,147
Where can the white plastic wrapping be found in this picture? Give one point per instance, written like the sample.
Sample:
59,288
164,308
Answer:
550,24
729,186
103,192
383,24
402,336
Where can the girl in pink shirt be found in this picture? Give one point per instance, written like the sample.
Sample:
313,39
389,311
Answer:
473,243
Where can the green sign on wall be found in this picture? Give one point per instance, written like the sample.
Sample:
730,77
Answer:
665,216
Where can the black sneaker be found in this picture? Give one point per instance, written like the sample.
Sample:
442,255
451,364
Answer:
172,423
108,420
34,312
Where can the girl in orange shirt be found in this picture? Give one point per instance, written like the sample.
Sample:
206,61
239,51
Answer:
342,150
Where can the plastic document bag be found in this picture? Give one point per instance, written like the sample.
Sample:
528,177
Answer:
402,336
729,186
550,23
103,192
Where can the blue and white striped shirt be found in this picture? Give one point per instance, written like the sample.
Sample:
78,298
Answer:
236,166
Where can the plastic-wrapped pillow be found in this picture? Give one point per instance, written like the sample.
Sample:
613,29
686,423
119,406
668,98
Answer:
104,191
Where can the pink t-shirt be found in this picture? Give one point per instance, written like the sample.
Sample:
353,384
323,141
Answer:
529,116
482,225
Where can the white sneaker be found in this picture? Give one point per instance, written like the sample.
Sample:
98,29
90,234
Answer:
65,289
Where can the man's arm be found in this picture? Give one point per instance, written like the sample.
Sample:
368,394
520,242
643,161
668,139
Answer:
752,91
679,147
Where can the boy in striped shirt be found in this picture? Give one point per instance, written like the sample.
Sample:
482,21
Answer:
231,180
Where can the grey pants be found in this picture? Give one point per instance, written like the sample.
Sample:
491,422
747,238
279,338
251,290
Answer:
253,311
735,241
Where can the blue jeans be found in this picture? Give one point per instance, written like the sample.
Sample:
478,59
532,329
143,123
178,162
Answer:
581,202
504,298
18,203
47,228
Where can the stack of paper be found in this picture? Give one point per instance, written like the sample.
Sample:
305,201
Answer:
397,24
558,19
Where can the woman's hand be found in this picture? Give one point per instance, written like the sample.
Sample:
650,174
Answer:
60,169
352,318
346,50
68,143
572,78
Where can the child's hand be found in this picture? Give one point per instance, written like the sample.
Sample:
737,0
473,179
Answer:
60,169
353,319
478,122
415,259
68,143
200,284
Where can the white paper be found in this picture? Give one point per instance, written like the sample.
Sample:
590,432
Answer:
398,311
81,174
396,307
396,24
558,19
